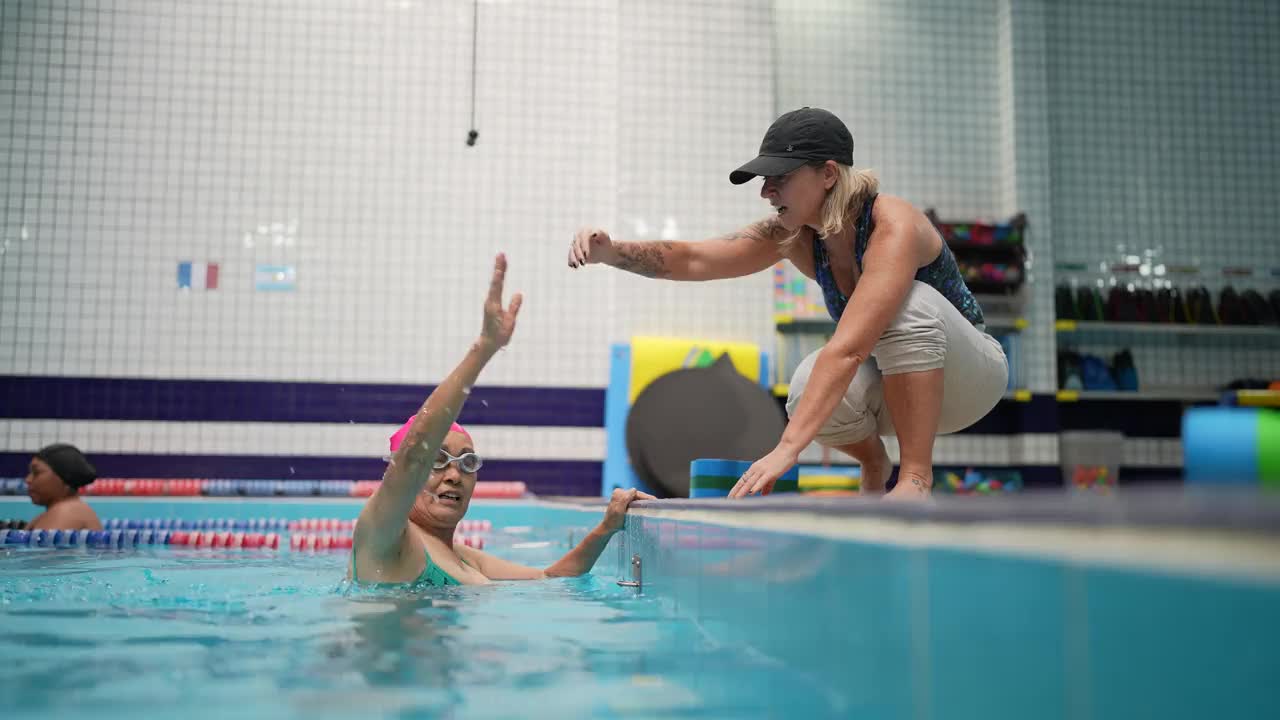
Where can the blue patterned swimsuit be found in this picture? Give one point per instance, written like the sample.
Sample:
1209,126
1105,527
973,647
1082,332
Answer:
942,274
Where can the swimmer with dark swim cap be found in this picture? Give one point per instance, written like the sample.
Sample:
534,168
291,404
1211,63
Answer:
54,479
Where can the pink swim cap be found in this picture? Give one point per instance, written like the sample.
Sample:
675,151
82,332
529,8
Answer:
398,437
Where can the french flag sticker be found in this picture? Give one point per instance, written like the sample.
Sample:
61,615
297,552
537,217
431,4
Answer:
197,276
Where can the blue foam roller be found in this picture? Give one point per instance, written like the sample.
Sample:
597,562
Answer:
707,492
716,467
1220,445
61,538
80,538
133,524
162,537
98,538
18,537
146,537
40,537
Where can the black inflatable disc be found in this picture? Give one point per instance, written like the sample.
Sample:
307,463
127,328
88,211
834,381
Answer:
691,413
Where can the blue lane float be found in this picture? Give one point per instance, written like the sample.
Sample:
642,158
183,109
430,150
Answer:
84,538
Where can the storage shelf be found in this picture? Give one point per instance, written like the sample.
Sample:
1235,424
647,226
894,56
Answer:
1080,326
1155,394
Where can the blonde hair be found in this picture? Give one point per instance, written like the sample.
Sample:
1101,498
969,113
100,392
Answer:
854,186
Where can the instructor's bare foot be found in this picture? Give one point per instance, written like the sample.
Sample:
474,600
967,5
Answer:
910,487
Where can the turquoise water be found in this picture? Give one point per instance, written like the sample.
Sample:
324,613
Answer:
731,623
161,632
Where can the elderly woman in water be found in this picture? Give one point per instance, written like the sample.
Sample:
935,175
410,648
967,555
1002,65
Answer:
405,532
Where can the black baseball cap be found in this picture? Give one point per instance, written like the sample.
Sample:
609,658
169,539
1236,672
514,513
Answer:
800,136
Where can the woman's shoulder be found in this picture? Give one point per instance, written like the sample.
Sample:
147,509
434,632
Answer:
71,514
887,208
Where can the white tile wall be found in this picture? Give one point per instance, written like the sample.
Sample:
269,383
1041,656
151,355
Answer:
914,82
696,95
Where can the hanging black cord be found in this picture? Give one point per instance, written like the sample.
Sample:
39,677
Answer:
473,134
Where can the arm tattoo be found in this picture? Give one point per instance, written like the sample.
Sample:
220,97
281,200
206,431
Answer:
644,258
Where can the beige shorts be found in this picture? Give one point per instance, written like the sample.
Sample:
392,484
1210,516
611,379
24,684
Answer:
928,333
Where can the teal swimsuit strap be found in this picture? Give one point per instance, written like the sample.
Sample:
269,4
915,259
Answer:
432,574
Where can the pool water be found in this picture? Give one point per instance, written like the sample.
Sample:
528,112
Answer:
170,632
